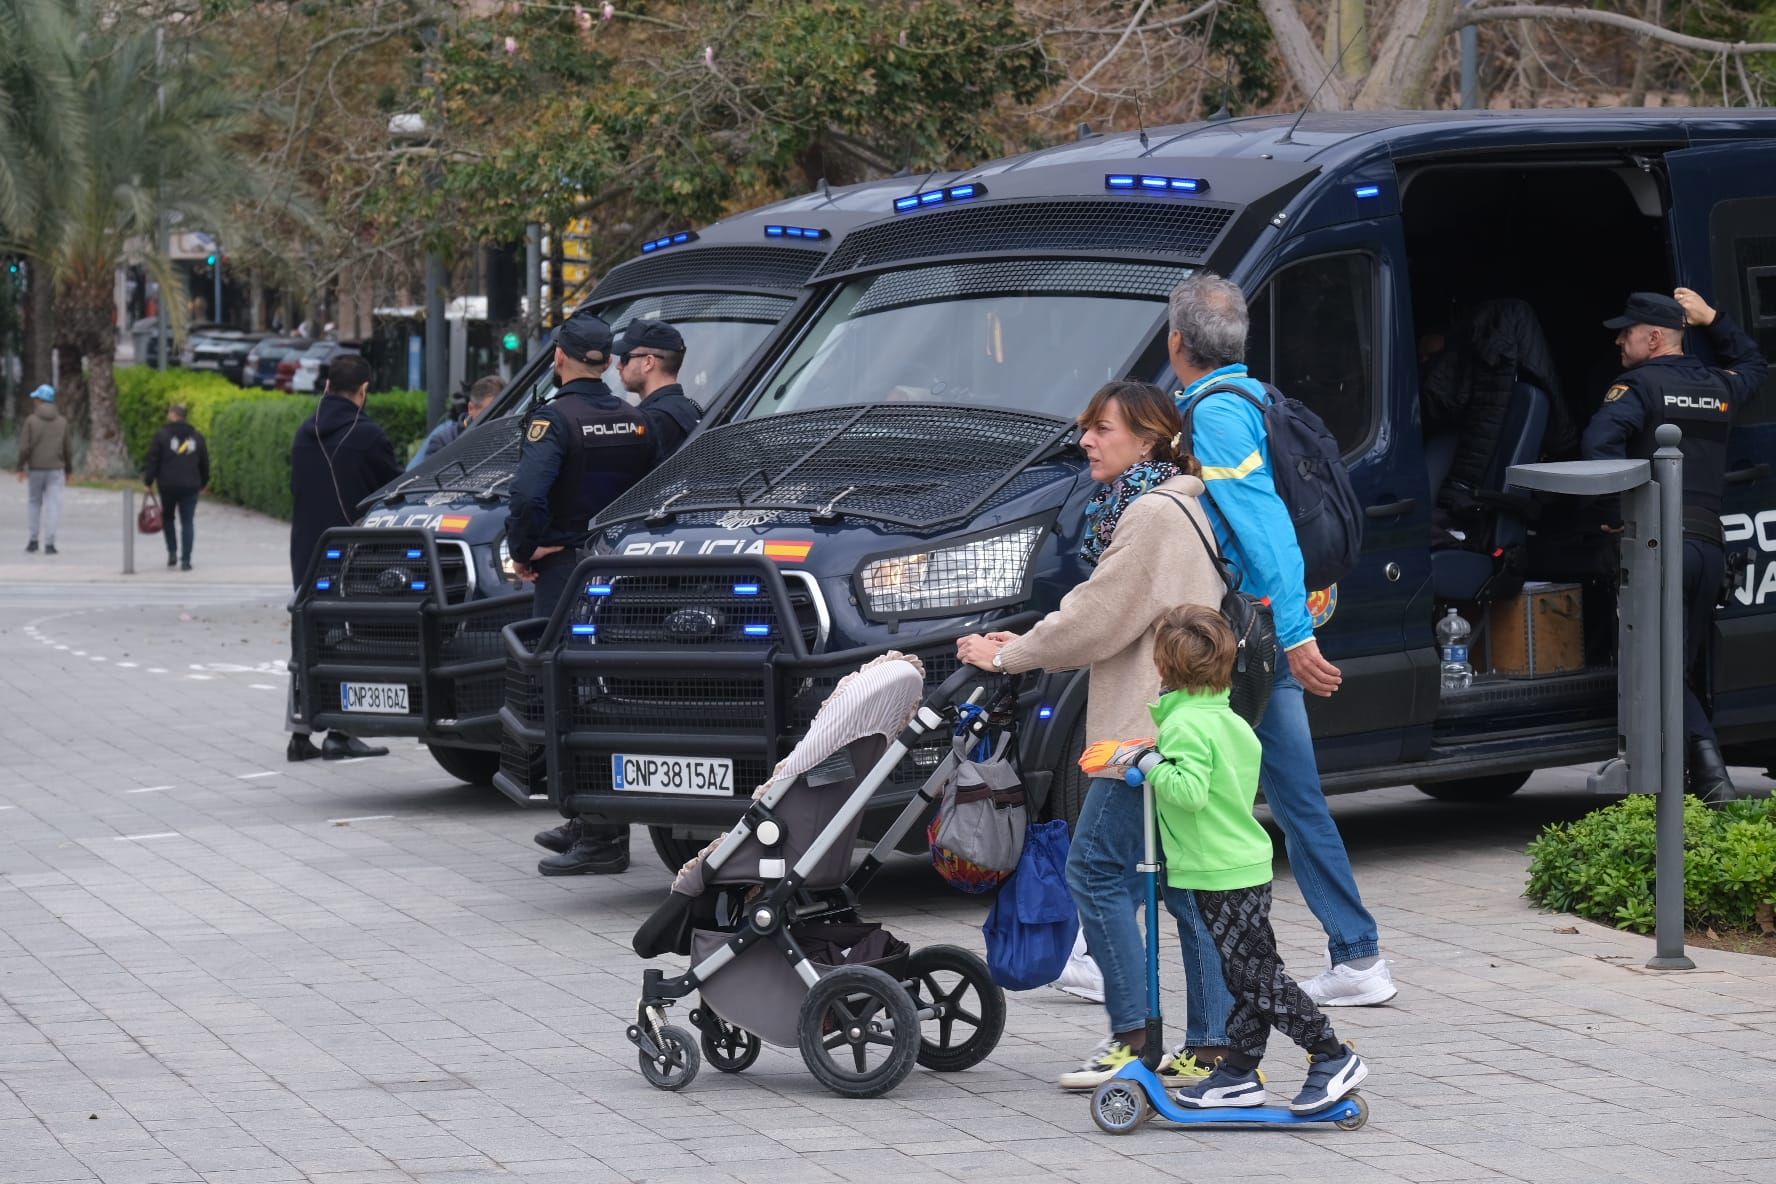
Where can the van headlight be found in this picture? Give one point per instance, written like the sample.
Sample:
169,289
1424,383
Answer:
985,571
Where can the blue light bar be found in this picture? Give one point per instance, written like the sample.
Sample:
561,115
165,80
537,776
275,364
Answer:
323,585
1368,191
334,553
1148,183
934,197
802,232
758,630
418,585
598,589
1045,713
746,589
416,554
670,240
585,630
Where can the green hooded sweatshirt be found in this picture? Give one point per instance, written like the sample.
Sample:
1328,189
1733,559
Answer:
1203,794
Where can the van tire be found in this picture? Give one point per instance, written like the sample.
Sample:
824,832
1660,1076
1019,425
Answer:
473,765
1067,789
674,853
1495,788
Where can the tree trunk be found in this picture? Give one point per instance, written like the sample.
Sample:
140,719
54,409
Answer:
1643,59
1407,56
105,455
1307,66
39,333
71,387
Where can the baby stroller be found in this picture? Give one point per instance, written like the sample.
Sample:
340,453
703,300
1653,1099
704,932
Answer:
768,914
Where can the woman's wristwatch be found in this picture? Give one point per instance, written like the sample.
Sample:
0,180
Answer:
999,659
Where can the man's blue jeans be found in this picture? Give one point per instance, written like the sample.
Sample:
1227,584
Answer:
1290,777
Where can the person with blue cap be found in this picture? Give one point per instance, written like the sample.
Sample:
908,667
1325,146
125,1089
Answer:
46,460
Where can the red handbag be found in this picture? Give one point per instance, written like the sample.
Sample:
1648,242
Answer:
148,519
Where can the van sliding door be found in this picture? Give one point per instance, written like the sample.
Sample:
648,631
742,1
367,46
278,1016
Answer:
1723,243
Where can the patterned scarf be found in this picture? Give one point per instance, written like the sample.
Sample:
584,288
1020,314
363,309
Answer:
1105,508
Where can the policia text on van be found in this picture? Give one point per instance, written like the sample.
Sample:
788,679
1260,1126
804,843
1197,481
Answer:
900,473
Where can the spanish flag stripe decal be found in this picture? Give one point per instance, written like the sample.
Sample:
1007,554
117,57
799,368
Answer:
453,523
787,552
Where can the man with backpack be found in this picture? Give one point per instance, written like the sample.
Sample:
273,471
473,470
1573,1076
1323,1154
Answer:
1239,430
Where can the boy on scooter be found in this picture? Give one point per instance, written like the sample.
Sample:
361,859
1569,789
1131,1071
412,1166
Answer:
1205,778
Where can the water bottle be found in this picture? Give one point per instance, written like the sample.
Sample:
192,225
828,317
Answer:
1452,641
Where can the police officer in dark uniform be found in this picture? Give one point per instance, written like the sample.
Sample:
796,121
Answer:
648,359
1661,384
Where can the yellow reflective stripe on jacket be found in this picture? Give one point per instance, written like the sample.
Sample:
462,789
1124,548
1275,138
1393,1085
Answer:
1245,467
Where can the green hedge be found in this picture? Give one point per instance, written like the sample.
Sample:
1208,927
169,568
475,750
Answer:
1601,866
250,442
144,393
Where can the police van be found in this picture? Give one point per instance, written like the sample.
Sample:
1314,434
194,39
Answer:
903,470
397,627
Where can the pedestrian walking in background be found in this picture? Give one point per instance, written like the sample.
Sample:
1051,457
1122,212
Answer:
481,397
179,462
46,461
339,457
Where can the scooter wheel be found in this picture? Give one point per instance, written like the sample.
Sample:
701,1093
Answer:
677,1063
1118,1107
1357,1121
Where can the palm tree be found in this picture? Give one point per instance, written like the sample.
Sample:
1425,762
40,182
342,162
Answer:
157,138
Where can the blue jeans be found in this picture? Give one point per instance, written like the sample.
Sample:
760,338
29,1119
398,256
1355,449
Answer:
1290,776
178,512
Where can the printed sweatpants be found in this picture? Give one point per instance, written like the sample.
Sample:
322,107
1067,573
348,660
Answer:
1264,996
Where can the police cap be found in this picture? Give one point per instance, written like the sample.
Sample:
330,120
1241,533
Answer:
583,335
1649,308
642,333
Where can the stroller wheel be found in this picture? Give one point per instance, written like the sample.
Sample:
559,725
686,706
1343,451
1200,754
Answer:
730,1049
859,1032
969,1007
676,1066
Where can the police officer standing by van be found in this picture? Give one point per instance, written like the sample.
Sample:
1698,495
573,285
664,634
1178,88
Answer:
648,358
1661,384
576,455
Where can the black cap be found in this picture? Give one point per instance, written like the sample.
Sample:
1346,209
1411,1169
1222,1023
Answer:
583,335
642,333
1649,308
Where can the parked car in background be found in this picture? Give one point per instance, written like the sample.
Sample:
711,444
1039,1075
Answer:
309,375
261,367
225,351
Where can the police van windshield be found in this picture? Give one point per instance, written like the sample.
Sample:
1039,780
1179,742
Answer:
1018,335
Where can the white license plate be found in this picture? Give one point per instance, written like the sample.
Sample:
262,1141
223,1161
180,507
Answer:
639,773
378,698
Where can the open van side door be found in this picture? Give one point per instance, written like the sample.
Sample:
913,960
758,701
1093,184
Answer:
1723,243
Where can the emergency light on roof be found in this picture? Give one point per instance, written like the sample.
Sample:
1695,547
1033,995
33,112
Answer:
933,197
809,232
671,240
1147,183
1368,191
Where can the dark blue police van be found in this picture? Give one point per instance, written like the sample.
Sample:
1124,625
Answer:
902,469
397,627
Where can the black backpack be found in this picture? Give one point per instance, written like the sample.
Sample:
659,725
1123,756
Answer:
1254,628
1311,479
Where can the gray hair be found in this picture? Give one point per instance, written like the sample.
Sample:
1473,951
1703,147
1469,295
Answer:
1209,314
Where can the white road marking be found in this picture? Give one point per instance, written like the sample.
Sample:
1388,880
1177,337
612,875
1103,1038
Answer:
77,653
95,658
365,818
201,677
127,665
251,776
150,789
61,647
165,834
156,670
8,807
262,686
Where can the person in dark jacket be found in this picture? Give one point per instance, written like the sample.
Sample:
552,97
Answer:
649,356
339,457
1661,384
179,462
481,397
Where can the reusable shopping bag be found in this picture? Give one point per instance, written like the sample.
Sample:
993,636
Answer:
978,833
1029,934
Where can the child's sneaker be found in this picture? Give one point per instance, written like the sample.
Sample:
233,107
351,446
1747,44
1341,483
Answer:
1100,1066
1182,1067
1345,986
1328,1079
1222,1088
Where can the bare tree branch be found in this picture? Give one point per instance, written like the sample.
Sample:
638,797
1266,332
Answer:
1306,65
1544,12
1103,61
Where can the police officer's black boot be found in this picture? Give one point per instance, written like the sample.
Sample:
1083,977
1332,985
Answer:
1709,779
301,748
338,747
558,838
592,854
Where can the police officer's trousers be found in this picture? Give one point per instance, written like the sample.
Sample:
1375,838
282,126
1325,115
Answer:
554,575
1704,563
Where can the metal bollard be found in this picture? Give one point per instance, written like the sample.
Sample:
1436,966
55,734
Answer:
129,532
1668,865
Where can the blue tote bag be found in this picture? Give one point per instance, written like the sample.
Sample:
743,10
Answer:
1029,934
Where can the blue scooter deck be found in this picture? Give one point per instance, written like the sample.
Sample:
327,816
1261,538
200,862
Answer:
1120,1104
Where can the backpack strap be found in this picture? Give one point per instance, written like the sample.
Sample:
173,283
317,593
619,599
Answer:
1229,571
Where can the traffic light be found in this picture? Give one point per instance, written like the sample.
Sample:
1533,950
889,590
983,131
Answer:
210,258
512,342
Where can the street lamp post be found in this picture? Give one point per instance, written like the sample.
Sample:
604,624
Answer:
412,130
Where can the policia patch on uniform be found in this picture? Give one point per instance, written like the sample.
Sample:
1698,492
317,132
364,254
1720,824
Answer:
1609,396
536,430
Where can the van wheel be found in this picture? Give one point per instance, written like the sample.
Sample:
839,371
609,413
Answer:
1066,792
674,853
474,765
1477,789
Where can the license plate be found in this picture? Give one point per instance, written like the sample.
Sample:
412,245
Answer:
379,698
638,773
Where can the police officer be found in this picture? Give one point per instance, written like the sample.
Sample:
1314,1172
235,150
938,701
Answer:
1661,384
648,359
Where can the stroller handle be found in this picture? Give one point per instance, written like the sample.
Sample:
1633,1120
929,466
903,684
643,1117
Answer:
952,686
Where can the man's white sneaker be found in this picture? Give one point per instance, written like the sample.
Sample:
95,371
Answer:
1081,978
1345,986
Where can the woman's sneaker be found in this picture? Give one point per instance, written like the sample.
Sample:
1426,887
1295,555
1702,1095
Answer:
1103,1064
1081,978
1328,1079
1346,986
1222,1088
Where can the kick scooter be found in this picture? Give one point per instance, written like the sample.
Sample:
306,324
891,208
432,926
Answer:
1136,1093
